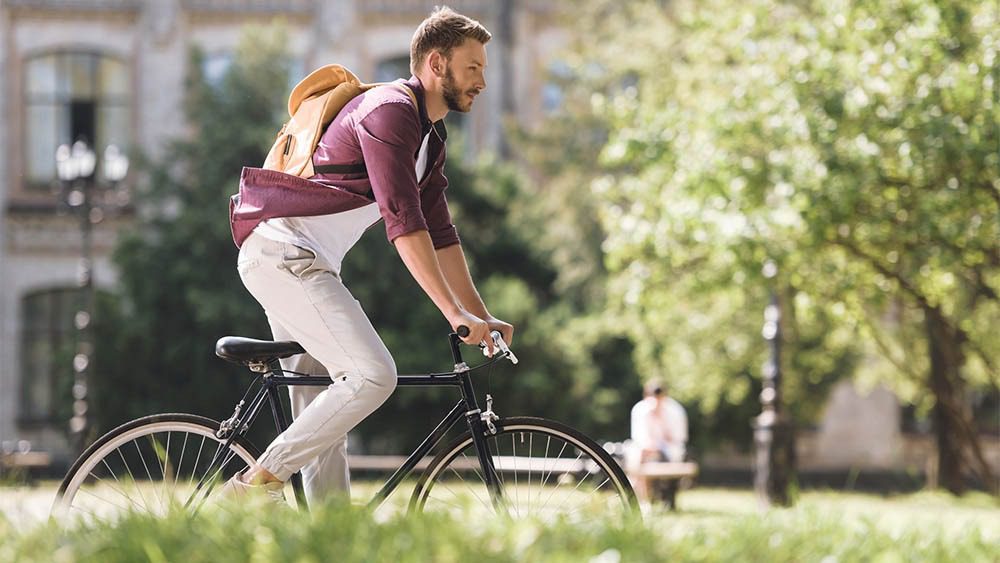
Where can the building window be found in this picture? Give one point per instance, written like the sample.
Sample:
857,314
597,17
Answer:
390,69
71,96
215,66
48,343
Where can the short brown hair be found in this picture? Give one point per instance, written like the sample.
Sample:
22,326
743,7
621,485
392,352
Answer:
444,30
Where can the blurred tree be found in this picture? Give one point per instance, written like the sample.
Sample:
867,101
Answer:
855,144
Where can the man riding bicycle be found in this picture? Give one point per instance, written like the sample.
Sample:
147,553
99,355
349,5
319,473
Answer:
291,263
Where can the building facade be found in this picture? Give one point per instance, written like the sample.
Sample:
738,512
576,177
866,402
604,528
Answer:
112,72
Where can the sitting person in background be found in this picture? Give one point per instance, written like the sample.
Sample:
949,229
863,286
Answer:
659,433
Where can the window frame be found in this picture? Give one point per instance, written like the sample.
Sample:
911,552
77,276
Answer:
58,336
61,96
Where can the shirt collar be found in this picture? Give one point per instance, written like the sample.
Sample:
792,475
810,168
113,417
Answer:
418,90
425,122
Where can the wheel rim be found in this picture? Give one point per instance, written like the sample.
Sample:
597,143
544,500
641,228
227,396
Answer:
544,472
152,468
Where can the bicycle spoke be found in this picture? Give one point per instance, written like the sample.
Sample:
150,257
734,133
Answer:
145,503
154,443
557,488
166,465
108,467
102,499
112,487
180,460
513,461
472,489
197,459
143,458
531,451
457,505
553,466
90,512
577,487
211,480
601,484
475,467
202,481
541,485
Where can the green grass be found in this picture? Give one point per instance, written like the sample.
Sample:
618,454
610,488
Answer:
712,525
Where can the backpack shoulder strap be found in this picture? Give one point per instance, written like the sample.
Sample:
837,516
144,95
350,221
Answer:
359,168
401,87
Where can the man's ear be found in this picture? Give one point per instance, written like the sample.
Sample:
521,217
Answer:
438,63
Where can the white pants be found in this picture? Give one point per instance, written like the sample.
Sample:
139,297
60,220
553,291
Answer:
306,301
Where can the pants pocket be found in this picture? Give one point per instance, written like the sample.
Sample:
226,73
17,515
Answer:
247,260
298,261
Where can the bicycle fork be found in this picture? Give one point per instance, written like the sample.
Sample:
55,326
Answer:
493,484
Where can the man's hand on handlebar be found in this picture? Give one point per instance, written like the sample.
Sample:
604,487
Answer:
476,329
506,330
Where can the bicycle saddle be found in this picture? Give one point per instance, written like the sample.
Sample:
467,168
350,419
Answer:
246,350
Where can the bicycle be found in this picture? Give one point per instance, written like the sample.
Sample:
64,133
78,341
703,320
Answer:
562,468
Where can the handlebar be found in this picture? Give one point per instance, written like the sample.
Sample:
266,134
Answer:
498,342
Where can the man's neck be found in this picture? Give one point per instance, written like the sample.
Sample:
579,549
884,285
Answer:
437,109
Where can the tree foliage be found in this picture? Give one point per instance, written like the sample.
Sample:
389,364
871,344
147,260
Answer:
854,145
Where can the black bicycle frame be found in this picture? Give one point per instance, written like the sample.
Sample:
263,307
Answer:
466,408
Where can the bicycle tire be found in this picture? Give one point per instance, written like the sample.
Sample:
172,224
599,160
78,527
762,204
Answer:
99,453
591,464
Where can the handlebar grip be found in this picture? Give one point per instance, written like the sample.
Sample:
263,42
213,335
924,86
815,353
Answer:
462,331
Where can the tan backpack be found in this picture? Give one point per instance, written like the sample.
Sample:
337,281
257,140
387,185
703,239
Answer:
312,105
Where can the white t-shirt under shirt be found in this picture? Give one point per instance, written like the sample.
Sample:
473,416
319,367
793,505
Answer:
331,236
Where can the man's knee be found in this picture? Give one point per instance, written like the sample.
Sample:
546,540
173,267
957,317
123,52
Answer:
383,376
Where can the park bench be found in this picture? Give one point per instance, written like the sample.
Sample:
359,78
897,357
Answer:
23,462
665,478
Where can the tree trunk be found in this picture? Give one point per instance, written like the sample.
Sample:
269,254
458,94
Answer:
957,440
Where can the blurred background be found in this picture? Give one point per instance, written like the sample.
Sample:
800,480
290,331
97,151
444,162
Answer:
789,212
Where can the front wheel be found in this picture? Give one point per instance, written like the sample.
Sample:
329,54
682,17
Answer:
151,465
546,470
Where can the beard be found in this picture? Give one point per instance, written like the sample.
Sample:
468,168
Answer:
452,95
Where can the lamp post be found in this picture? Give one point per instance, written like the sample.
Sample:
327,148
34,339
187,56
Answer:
773,458
75,166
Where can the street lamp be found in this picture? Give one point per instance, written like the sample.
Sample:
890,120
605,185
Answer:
774,451
75,166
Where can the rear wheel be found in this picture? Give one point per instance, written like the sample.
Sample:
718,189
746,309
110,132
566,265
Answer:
151,464
546,469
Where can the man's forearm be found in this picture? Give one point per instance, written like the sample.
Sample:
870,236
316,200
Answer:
418,254
456,274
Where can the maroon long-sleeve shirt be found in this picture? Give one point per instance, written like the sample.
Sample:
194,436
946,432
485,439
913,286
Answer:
382,129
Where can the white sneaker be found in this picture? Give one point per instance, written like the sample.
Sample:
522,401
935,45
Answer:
236,489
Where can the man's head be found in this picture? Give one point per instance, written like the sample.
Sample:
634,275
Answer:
448,54
655,388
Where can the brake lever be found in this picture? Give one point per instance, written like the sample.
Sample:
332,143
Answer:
498,342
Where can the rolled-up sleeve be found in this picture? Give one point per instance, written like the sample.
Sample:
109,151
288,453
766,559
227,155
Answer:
390,137
435,206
